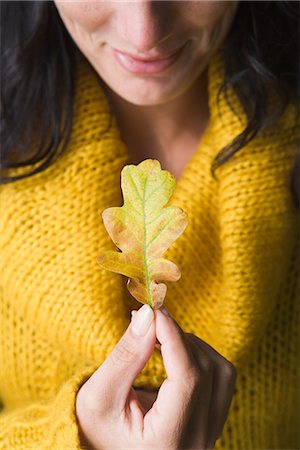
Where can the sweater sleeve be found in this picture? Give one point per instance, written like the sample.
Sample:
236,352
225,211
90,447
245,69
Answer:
48,425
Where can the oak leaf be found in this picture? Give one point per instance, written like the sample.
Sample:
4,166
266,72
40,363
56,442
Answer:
143,229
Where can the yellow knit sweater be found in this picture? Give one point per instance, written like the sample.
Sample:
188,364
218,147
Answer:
61,314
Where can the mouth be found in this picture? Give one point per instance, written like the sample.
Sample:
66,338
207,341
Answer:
146,65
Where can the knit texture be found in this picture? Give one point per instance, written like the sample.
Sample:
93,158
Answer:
62,314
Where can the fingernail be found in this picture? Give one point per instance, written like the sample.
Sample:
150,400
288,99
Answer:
165,311
142,320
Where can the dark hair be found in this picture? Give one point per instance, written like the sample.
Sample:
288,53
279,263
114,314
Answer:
260,55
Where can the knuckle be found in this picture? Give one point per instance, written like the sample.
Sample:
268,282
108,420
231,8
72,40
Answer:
190,335
206,365
123,353
192,380
86,404
229,371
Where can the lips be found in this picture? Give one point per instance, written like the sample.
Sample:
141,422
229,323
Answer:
145,66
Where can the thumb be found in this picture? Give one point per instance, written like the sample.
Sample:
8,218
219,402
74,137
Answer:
119,371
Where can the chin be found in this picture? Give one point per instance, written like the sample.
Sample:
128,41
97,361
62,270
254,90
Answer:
148,100
149,96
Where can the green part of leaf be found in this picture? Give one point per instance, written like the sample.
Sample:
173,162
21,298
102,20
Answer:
143,229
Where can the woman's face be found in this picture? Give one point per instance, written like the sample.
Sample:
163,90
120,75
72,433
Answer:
148,52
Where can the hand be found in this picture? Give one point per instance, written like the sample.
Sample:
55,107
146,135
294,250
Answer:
191,406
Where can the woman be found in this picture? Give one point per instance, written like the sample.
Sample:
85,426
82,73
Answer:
208,89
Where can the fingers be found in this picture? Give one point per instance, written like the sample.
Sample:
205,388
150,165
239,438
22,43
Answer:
224,376
114,378
178,360
192,403
198,391
157,345
185,385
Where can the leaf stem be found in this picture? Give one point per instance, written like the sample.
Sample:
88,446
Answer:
147,280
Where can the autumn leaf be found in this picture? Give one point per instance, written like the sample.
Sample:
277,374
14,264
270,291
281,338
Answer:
143,229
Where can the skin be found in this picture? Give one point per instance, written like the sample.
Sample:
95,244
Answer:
158,114
190,408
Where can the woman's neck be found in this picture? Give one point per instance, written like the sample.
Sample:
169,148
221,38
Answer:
169,132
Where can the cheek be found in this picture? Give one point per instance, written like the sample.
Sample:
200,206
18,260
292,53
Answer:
87,15
207,13
210,22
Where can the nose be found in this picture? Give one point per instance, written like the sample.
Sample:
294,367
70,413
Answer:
144,25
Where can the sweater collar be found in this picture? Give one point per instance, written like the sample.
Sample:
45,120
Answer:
230,292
